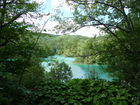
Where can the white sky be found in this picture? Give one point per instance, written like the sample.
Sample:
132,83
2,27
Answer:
48,6
88,31
62,4
39,1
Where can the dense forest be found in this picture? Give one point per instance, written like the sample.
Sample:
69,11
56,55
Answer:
84,49
25,82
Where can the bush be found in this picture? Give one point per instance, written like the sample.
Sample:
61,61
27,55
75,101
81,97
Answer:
82,92
59,72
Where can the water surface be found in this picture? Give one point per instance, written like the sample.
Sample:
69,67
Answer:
80,70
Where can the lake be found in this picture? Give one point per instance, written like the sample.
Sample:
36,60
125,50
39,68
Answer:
81,71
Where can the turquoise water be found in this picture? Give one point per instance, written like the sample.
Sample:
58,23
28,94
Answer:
80,70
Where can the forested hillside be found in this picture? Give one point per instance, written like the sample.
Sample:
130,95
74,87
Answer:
23,48
84,49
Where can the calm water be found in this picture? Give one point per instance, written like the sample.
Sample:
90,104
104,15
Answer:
80,70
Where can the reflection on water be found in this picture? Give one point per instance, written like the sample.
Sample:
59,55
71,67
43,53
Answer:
80,70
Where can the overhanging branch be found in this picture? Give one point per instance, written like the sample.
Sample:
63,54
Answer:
6,3
12,20
97,2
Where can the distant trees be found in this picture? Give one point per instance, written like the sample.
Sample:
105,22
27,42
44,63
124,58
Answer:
65,45
86,50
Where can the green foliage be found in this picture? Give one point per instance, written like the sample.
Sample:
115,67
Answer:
10,11
81,92
59,71
19,56
120,56
86,50
122,63
18,70
120,50
64,45
23,80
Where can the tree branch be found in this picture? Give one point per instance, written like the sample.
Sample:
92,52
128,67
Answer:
98,2
119,40
125,16
122,11
12,20
3,12
109,5
6,3
113,26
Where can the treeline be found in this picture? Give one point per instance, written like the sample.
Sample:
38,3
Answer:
121,56
103,50
23,81
84,49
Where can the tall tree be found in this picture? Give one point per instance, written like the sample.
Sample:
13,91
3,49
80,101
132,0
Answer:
10,11
120,19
